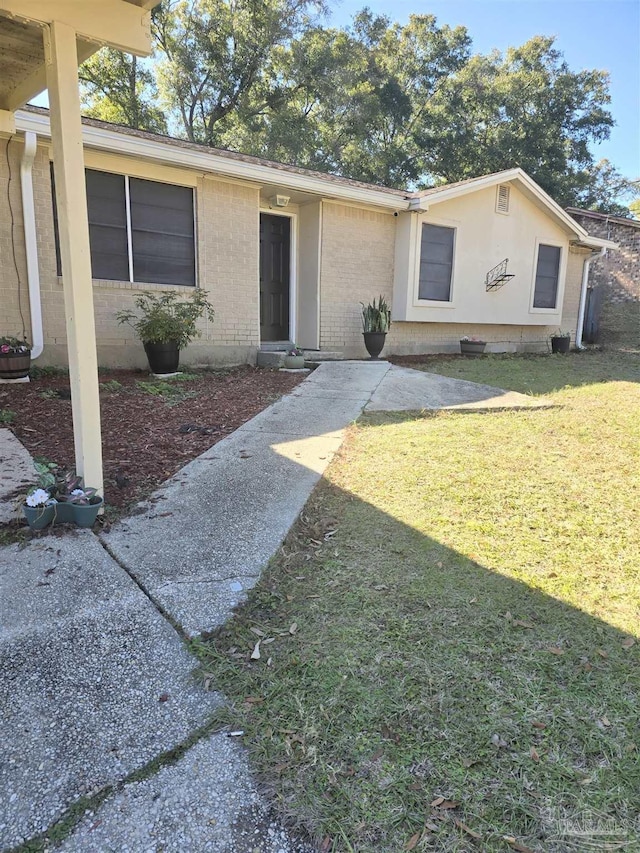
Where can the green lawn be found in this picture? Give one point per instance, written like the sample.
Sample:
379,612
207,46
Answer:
448,634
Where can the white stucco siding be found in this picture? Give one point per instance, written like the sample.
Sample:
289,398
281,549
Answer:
483,238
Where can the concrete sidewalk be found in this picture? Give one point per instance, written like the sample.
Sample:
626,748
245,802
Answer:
95,683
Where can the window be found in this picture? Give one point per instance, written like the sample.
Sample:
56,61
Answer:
547,274
139,231
502,198
436,263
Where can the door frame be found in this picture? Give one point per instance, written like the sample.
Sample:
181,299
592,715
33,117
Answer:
293,266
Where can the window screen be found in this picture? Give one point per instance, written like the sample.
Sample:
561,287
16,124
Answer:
547,271
107,225
436,262
162,233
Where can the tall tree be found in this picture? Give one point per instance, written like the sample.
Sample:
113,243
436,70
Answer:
118,87
216,52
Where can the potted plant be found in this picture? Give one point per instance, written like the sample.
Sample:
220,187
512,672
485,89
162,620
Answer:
294,358
561,342
39,508
167,325
15,358
472,346
75,503
376,322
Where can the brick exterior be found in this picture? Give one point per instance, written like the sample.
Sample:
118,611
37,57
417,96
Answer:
356,264
616,278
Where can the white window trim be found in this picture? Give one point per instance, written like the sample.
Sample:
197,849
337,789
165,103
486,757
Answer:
435,303
293,266
544,241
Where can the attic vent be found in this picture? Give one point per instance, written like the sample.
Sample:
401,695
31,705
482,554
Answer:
502,199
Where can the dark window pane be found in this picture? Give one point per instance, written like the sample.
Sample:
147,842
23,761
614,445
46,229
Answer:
547,271
162,233
436,263
107,225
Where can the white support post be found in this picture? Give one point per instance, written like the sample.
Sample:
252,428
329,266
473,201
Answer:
71,197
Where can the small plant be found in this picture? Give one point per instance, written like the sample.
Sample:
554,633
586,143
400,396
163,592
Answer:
7,417
167,318
50,394
168,391
561,334
295,350
37,497
14,345
70,489
472,340
376,318
111,385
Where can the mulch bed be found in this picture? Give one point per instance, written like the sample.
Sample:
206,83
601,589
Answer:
150,429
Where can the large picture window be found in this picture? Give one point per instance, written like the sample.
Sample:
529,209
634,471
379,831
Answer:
139,231
436,263
547,275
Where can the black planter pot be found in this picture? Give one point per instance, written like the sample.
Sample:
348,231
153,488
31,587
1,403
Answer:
560,344
163,358
14,365
374,342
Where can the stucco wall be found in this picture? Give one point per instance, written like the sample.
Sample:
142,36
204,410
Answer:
358,256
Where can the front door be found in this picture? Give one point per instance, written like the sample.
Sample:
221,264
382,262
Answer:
275,242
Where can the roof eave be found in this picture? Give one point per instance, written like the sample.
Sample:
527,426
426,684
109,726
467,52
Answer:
204,162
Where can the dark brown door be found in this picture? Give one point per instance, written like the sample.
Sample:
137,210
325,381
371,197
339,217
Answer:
275,237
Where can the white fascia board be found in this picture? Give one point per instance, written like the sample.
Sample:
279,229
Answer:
204,162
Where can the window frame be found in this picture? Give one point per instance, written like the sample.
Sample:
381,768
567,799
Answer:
435,303
126,176
544,241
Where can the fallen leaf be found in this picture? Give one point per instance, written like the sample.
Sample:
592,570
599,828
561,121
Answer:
535,755
293,628
515,845
496,740
257,631
537,725
469,762
326,844
255,654
473,600
467,829
523,624
508,616
413,841
602,653
628,642
268,640
254,700
605,721
448,804
555,650
437,802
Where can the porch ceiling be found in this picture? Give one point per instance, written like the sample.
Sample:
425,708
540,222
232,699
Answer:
99,22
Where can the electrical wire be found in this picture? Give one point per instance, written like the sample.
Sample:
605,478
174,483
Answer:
13,241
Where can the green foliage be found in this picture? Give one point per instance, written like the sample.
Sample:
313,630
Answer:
47,472
49,394
376,318
168,317
13,344
167,390
7,416
46,371
111,385
118,87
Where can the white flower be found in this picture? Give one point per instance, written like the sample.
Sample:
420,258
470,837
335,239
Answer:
38,497
77,492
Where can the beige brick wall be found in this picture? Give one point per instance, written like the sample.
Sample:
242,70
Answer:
357,264
13,284
228,258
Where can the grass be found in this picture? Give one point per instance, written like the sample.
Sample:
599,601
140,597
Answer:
7,416
448,636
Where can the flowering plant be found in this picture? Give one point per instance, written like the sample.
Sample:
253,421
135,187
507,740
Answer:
472,340
38,497
14,345
295,350
70,489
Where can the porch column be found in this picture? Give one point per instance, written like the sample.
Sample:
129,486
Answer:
71,199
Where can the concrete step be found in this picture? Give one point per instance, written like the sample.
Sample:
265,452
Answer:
275,346
323,355
271,358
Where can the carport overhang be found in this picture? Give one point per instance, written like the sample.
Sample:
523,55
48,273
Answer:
42,42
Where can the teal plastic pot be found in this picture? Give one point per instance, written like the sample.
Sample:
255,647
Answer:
64,513
85,515
39,517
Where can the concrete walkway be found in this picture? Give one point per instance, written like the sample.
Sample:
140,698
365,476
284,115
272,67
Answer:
95,683
17,473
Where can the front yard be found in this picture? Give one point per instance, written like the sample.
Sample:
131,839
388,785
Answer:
448,655
150,427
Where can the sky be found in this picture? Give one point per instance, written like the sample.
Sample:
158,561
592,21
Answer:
602,34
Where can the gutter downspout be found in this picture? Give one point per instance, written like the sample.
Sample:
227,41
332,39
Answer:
31,242
583,295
